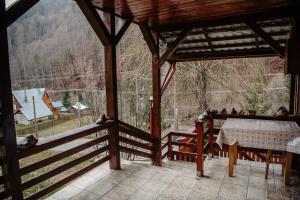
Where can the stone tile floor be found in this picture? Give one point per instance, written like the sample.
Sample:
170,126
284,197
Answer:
177,180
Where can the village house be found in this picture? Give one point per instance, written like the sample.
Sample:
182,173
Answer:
24,106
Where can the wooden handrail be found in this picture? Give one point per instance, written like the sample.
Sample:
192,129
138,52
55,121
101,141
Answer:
182,134
62,168
66,180
136,143
135,132
57,157
63,138
264,117
135,152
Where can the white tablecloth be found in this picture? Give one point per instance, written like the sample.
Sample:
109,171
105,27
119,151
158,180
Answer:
264,134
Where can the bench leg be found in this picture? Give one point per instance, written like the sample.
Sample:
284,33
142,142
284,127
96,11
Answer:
287,167
268,158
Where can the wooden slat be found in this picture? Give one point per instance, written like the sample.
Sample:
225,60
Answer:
67,179
208,40
57,157
135,132
184,144
64,138
266,37
135,152
17,9
164,145
62,168
95,21
181,134
136,143
164,155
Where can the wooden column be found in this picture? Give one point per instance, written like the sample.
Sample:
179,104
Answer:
156,91
111,91
7,126
200,130
287,167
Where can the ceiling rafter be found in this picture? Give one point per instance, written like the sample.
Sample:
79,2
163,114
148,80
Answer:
95,21
122,30
266,37
153,46
173,46
208,39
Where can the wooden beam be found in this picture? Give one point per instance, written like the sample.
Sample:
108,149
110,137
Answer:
148,37
7,126
208,39
183,57
95,21
230,45
122,30
173,46
266,37
292,94
17,9
156,92
111,92
233,37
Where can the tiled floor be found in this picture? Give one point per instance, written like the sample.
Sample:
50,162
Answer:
176,180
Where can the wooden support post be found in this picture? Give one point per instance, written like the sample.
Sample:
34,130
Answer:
210,125
7,129
170,149
268,159
231,158
199,129
156,90
111,91
287,168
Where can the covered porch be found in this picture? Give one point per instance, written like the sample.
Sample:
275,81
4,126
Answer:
175,31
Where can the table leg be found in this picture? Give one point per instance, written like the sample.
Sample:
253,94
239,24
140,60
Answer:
235,153
268,158
287,167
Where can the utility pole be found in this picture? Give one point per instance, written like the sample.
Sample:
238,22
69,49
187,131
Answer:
34,114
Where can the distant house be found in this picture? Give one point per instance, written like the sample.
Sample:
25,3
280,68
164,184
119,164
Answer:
58,107
80,107
23,105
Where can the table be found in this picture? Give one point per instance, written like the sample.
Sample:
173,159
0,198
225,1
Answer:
261,134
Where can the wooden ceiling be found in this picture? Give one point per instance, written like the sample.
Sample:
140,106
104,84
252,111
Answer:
212,29
164,15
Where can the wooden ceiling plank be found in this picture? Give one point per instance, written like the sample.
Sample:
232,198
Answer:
266,37
122,30
148,37
17,9
95,21
173,46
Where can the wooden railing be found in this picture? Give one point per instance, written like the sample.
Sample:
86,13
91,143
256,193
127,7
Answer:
194,141
58,140
135,141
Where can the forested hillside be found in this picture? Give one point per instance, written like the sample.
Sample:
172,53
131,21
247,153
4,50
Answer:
53,46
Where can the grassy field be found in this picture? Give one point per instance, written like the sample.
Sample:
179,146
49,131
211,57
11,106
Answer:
64,126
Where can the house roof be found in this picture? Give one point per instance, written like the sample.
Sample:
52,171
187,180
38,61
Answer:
57,104
79,106
24,98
